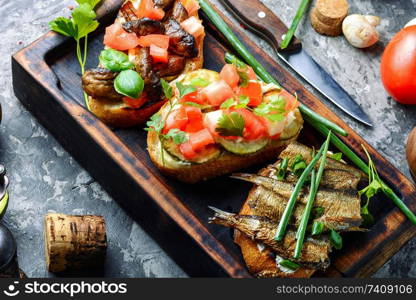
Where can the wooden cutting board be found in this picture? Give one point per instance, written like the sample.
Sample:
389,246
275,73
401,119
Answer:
46,79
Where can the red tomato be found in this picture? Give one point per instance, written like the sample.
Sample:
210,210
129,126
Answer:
160,40
158,54
251,74
291,101
135,103
195,122
193,26
230,75
217,92
176,119
200,139
191,6
147,9
253,91
187,151
253,126
117,38
194,97
398,66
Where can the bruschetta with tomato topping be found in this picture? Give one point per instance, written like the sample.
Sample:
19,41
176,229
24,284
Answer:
149,40
217,123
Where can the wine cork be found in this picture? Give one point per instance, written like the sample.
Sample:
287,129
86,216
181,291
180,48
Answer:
323,28
331,12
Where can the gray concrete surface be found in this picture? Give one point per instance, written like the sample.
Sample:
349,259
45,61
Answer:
45,178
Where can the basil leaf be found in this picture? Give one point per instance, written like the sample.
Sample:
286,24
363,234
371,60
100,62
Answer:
335,239
129,83
115,61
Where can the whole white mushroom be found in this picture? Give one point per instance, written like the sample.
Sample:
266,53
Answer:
360,31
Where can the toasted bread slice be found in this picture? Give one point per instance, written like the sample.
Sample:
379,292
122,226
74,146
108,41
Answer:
223,164
262,263
120,115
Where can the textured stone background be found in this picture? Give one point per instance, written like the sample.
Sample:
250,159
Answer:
45,178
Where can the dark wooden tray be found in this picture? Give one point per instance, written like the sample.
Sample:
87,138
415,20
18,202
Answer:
46,80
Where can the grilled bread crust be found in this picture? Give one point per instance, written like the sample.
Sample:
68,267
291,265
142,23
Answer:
225,163
120,115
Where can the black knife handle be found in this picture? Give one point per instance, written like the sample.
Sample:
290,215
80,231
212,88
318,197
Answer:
259,19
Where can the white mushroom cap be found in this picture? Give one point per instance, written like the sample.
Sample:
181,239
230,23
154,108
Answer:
360,30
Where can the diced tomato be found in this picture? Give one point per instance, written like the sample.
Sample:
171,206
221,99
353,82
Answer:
117,38
194,97
253,126
211,121
176,119
191,6
187,151
159,40
147,9
195,121
230,75
193,26
158,54
217,92
253,91
135,103
251,74
291,101
200,139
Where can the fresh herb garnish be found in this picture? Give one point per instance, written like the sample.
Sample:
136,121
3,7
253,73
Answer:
199,82
298,165
82,23
317,228
317,212
281,171
230,125
184,89
177,136
335,239
231,102
115,61
289,264
129,83
336,156
155,123
194,104
167,89
243,82
228,103
274,110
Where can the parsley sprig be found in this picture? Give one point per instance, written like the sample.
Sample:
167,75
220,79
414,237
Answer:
82,23
273,110
231,124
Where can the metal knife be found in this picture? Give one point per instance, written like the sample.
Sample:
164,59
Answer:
262,21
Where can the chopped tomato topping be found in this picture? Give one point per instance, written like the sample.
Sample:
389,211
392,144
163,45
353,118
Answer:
194,97
253,91
159,40
178,118
147,9
253,126
158,54
193,26
187,151
191,6
200,139
195,121
230,75
291,101
217,92
117,38
251,74
135,103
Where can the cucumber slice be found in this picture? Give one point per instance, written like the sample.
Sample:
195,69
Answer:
208,154
241,147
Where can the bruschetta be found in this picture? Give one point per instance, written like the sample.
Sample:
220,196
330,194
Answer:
154,38
217,123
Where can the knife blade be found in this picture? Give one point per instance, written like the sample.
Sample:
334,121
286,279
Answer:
262,21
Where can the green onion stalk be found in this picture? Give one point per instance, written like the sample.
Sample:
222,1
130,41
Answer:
258,68
290,33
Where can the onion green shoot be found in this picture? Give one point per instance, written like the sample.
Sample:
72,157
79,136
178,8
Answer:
290,33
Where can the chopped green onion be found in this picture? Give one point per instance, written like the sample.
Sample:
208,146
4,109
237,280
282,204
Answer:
289,35
317,228
335,239
317,212
298,165
336,141
315,181
289,264
306,111
281,229
336,156
281,172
